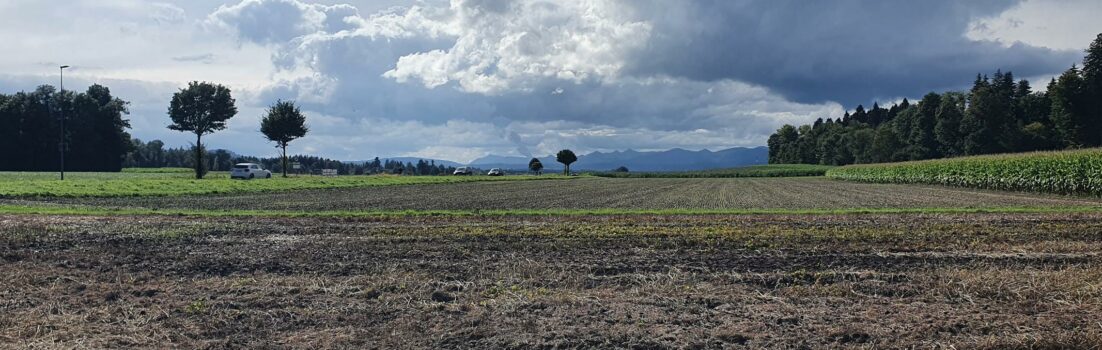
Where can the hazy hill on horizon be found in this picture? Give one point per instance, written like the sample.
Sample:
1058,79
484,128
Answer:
413,160
675,159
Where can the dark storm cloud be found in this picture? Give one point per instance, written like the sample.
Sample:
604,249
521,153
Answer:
847,51
619,74
351,83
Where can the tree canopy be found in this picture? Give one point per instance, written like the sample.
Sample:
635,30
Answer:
997,115
95,130
283,124
535,165
566,157
201,108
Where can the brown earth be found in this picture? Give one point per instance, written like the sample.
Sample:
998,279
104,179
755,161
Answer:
861,281
602,193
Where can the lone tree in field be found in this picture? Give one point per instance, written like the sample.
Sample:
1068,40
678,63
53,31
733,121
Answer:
566,157
535,165
201,108
283,124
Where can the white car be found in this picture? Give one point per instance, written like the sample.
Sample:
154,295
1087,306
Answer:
496,172
249,171
462,171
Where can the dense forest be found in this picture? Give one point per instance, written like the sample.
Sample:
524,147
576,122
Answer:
95,131
153,154
997,115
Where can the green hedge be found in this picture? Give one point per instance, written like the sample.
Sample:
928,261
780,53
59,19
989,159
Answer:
1074,172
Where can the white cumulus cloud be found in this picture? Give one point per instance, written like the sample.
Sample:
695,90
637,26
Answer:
509,45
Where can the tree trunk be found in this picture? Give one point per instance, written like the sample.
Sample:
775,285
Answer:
566,170
198,156
284,159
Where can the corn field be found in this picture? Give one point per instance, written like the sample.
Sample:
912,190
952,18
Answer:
1074,172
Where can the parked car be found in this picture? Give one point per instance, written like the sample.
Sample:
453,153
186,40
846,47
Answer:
495,172
463,171
249,171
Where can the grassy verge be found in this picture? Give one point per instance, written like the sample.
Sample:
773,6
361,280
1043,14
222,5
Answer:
771,170
1075,172
93,211
14,184
159,170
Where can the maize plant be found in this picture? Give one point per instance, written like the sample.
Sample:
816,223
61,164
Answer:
1074,172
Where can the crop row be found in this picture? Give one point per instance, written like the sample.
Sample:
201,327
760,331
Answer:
1074,172
771,170
133,184
597,193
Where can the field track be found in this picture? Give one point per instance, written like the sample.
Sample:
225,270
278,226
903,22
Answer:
710,282
602,193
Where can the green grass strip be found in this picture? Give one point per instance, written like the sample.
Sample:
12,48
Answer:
80,211
127,184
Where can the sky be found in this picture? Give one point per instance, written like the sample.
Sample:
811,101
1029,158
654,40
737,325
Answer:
461,79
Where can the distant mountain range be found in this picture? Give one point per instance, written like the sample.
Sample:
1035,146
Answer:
671,160
409,160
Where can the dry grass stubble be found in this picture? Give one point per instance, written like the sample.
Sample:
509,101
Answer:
877,281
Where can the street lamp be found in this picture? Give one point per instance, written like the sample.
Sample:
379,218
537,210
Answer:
61,111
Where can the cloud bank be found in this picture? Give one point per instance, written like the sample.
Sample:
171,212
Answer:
460,79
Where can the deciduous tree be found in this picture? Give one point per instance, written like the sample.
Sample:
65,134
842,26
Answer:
566,157
201,108
284,123
535,165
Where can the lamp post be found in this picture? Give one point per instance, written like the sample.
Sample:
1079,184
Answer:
61,111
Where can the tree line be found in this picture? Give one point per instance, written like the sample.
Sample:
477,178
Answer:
96,138
997,115
95,130
153,154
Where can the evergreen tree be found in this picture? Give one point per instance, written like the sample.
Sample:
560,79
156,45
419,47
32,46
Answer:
878,115
924,142
998,114
947,127
1092,94
860,115
978,125
1069,108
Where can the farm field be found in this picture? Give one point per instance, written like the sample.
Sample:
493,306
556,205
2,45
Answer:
596,194
770,170
1076,172
173,183
866,281
668,263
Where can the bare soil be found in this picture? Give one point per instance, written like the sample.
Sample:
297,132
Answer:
601,193
708,282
